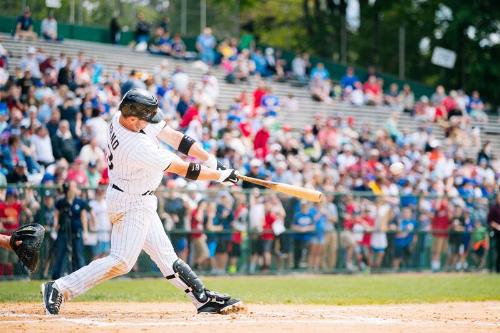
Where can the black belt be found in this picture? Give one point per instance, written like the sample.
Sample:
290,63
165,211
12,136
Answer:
115,187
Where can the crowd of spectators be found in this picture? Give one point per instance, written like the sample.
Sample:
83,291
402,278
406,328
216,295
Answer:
53,124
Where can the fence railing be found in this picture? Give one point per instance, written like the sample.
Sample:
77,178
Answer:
255,231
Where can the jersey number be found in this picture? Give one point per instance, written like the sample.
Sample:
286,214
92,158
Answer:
110,158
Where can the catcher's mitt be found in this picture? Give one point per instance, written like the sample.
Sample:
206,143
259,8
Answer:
31,236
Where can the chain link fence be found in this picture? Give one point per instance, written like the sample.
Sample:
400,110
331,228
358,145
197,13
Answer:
257,232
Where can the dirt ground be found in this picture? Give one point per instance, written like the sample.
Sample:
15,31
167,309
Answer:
173,317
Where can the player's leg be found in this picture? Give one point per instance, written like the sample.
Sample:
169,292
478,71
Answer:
127,241
161,251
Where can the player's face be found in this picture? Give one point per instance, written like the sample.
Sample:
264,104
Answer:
141,124
133,123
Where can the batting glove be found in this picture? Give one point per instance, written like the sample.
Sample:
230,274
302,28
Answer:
228,177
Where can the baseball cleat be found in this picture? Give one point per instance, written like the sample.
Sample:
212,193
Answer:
51,297
221,304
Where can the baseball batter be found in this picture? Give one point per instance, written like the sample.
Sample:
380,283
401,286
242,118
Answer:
136,165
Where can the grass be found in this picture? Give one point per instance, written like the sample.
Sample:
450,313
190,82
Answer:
339,290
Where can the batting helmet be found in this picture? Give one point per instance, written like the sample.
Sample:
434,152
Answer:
142,104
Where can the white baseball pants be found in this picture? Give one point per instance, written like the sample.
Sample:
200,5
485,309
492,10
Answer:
139,228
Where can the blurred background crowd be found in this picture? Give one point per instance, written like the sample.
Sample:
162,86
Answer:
439,213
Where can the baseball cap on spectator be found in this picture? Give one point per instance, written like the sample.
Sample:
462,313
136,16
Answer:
25,123
48,177
48,194
275,147
286,128
255,163
31,50
11,192
92,164
21,164
281,165
434,143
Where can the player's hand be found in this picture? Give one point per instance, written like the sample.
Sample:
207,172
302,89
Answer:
228,177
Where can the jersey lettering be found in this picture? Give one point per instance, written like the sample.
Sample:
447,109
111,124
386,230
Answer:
113,139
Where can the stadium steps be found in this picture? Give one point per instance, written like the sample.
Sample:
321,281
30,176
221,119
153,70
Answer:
110,56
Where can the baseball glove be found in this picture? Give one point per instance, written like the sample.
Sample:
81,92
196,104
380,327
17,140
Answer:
31,237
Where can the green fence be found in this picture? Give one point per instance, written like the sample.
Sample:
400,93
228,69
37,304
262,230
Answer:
249,242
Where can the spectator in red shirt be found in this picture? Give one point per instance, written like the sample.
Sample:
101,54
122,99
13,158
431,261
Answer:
199,239
77,173
239,224
368,223
327,136
347,239
10,210
373,91
257,96
260,142
449,102
440,225
189,115
267,235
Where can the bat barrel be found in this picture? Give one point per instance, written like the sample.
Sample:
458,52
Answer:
296,191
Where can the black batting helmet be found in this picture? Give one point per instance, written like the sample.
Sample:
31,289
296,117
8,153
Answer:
142,104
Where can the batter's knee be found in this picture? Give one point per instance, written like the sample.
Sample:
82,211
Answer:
120,266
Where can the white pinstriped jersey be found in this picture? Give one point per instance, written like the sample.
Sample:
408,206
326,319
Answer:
136,162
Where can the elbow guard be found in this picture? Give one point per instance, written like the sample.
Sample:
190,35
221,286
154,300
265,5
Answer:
185,144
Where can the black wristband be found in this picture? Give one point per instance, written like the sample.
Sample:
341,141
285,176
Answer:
185,144
193,171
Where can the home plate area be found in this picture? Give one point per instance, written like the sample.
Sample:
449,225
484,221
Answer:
180,317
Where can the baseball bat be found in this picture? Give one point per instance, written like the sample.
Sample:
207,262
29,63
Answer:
296,191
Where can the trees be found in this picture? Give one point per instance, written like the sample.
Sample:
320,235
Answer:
471,29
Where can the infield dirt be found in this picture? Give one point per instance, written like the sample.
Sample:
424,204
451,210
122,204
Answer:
180,317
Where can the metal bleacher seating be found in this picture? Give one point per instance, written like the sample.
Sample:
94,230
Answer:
111,56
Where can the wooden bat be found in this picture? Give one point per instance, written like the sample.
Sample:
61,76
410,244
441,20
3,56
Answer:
296,191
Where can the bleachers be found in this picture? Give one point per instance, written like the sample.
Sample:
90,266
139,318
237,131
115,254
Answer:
111,56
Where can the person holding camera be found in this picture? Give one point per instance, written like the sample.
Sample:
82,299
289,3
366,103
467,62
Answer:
70,223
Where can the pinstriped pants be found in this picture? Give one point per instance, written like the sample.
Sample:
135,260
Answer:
139,228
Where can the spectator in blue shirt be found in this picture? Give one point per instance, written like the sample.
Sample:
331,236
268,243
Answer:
476,107
161,42
224,216
320,72
24,26
304,225
71,225
205,44
404,237
260,63
270,103
349,79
